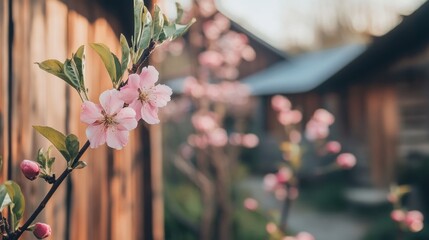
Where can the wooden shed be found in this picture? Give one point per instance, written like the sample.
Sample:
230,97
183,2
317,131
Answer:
378,93
119,195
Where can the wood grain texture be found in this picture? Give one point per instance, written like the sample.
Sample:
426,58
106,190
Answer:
4,83
107,198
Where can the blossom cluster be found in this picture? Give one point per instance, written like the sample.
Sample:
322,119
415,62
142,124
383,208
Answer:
119,110
411,220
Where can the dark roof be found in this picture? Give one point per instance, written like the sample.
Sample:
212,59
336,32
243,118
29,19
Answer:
406,39
302,73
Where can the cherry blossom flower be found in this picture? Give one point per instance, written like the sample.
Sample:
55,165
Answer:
250,140
108,121
346,160
304,236
218,137
280,103
397,215
333,147
144,96
414,220
323,116
251,204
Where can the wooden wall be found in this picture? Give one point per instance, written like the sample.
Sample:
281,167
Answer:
109,199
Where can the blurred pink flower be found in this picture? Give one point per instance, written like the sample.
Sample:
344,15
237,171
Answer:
108,121
280,103
211,30
284,175
191,87
207,7
414,220
346,160
144,96
333,147
397,215
323,116
221,22
271,227
218,137
250,140
248,53
289,117
280,193
304,236
210,59
204,121
270,182
289,238
251,204
316,130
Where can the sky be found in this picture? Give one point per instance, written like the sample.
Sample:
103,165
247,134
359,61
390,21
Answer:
287,24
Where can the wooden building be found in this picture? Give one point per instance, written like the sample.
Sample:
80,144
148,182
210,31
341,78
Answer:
119,195
378,93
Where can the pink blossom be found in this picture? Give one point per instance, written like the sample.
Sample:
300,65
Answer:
284,175
323,116
397,215
108,121
304,236
42,230
289,238
248,53
221,22
210,59
204,121
192,88
271,227
251,204
211,30
144,96
250,140
270,182
346,160
316,130
218,137
280,103
30,169
333,147
289,117
414,220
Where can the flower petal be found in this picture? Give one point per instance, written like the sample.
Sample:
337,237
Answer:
137,106
96,135
126,119
148,77
161,95
133,81
129,94
90,112
150,113
111,101
116,138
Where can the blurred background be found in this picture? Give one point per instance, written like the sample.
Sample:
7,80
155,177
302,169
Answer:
290,120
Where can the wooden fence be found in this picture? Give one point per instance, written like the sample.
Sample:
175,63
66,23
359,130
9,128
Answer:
118,196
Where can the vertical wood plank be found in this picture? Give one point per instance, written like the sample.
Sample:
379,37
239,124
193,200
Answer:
4,83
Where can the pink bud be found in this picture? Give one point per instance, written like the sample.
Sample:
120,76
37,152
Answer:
346,160
30,169
280,103
397,215
323,116
42,230
271,227
284,175
333,147
251,204
413,216
270,182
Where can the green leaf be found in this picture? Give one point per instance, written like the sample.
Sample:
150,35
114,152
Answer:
79,59
41,158
72,145
56,68
181,29
138,7
18,201
158,22
179,10
118,70
72,73
106,56
4,198
125,54
80,165
56,138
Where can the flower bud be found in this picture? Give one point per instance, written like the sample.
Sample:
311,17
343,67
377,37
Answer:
30,169
346,160
42,230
